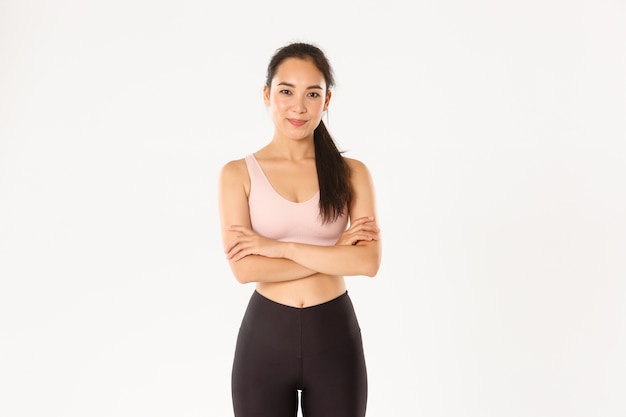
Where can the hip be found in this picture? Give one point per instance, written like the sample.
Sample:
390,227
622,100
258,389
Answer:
300,332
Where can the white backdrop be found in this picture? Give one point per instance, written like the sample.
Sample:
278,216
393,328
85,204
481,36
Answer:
494,132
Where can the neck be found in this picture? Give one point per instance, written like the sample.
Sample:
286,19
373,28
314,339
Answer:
292,149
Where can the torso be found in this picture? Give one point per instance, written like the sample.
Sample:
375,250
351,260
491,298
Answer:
296,185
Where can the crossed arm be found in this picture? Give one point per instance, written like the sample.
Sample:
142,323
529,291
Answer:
254,258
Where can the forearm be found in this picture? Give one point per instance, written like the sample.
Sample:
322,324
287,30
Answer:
256,268
341,260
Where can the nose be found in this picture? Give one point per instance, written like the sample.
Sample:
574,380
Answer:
298,105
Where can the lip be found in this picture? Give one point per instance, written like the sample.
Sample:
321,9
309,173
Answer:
297,122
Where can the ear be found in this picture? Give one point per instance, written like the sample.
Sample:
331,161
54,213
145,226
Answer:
327,101
266,95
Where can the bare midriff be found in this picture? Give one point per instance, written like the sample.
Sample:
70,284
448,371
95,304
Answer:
305,292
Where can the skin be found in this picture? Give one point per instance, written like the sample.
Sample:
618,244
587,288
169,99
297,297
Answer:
294,274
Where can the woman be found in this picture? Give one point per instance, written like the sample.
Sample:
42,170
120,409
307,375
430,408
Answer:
285,211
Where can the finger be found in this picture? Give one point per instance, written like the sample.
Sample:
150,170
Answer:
362,220
236,249
232,251
229,246
240,255
365,229
239,228
367,236
363,224
367,226
232,243
354,238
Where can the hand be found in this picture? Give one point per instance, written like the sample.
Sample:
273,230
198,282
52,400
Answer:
247,242
362,228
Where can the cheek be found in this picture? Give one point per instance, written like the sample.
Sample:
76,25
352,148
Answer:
277,104
319,107
316,105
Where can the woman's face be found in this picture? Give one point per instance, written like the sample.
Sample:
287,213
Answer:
297,98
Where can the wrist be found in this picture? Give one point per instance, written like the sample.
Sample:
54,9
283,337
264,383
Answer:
287,250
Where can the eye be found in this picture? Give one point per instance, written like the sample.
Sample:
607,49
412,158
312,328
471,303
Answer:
285,92
315,95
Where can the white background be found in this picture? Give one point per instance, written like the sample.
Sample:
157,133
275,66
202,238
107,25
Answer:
494,132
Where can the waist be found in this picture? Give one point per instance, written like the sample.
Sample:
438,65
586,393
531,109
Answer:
300,332
305,292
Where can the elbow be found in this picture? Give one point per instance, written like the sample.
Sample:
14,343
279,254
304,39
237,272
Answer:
371,271
241,274
242,279
371,274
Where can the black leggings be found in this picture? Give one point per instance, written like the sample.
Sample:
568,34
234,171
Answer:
282,349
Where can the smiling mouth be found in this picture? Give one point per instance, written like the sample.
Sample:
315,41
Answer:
297,122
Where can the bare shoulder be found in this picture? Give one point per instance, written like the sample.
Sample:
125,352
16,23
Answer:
358,169
234,168
235,174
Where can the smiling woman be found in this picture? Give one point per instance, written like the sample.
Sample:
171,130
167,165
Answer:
297,216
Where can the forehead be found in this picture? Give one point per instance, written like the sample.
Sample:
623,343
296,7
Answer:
298,71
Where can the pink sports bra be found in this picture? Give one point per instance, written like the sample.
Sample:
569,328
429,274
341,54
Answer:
275,217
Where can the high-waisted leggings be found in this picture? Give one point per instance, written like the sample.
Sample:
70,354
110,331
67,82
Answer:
316,350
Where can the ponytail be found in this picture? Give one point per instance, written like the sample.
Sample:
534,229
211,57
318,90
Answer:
333,176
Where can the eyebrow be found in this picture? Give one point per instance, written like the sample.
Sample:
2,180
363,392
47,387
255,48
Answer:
293,86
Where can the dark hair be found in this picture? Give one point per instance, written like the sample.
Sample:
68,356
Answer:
333,173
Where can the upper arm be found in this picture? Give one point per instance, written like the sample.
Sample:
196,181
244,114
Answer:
233,197
364,204
363,199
